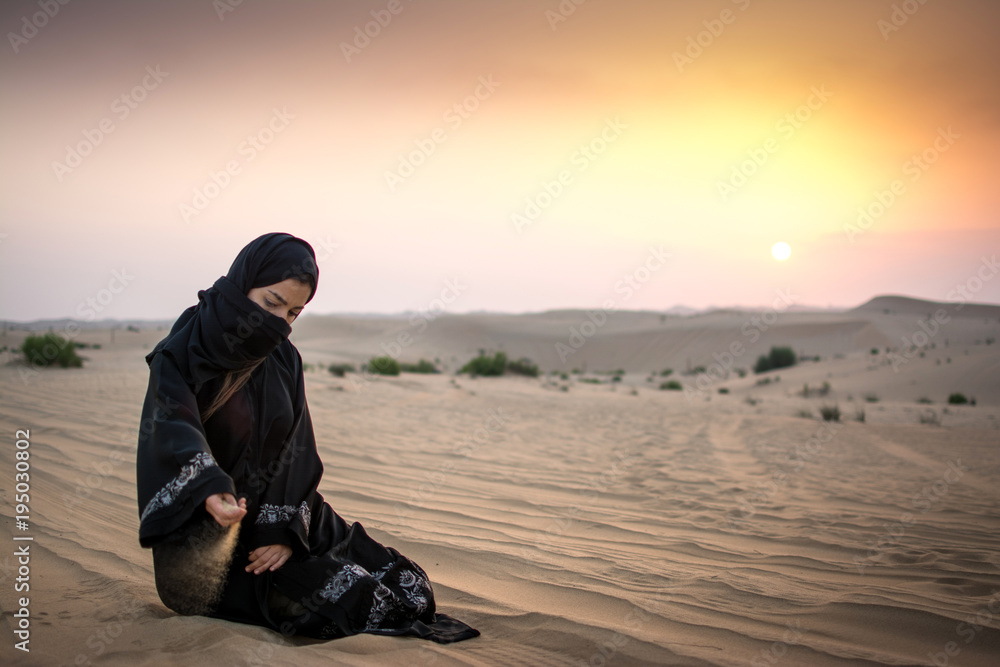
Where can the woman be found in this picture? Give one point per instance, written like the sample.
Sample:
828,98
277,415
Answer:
227,473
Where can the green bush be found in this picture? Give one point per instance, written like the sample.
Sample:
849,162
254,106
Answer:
523,367
383,366
830,413
422,366
672,385
486,365
957,399
50,349
340,369
779,357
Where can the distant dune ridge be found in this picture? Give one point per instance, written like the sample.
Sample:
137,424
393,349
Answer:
573,519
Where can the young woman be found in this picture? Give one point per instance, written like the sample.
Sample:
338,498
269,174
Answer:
227,473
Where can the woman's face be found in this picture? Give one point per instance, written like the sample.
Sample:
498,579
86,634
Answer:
285,299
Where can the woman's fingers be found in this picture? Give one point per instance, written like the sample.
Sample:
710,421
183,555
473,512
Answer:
270,557
223,508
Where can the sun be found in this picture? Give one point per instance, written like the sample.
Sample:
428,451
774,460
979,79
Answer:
781,251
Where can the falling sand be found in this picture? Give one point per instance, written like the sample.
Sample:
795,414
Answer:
190,567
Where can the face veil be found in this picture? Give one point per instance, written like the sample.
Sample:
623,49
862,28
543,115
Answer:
226,331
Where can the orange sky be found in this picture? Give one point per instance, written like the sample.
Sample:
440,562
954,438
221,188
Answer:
535,157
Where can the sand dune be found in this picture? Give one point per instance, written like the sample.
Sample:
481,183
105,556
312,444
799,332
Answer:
598,524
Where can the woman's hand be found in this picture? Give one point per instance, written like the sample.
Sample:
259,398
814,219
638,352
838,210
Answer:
270,557
223,508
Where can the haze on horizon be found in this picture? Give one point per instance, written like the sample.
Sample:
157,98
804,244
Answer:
521,156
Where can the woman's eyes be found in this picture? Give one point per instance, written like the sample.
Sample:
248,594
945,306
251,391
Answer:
270,304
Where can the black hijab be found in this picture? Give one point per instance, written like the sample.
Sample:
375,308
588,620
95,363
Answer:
227,331
224,332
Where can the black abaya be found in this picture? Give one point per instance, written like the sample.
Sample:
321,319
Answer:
260,446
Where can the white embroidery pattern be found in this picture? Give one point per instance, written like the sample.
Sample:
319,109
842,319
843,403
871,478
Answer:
381,573
409,582
275,513
278,513
383,597
168,494
342,582
305,515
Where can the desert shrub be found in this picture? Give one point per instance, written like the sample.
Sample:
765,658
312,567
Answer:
523,366
923,400
723,390
486,365
340,369
384,365
671,385
872,398
830,413
422,366
928,416
859,415
50,349
779,357
805,414
957,399
823,390
666,371
591,380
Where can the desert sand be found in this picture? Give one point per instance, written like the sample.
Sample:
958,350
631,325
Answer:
572,519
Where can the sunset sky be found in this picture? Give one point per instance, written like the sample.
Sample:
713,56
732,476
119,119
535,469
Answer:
533,153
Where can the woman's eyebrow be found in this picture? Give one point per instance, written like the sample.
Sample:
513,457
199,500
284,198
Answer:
278,297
